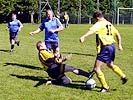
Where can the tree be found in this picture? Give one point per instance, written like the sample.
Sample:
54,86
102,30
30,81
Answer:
28,5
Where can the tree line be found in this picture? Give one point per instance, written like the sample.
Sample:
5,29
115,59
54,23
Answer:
28,10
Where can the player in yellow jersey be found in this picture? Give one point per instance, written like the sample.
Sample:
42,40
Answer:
105,34
66,19
55,68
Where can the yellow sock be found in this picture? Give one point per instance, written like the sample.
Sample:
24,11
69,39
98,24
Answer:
102,80
118,71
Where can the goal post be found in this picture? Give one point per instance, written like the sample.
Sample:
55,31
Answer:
118,14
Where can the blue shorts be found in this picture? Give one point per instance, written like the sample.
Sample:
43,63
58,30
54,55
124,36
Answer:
52,45
13,35
107,54
66,21
56,70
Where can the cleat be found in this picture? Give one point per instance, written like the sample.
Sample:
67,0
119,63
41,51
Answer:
124,80
11,51
18,43
48,83
104,89
91,74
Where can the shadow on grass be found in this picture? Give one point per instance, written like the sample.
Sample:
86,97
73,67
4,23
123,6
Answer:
5,51
78,54
23,65
43,80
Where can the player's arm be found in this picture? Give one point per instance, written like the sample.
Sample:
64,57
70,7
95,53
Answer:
60,27
7,28
118,37
90,32
42,26
68,18
35,32
57,29
20,25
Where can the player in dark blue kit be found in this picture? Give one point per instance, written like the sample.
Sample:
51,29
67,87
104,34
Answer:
55,68
52,26
14,26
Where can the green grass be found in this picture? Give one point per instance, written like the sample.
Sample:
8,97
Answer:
20,72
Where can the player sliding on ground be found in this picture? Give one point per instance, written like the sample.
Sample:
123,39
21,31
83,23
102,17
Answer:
14,26
105,33
55,68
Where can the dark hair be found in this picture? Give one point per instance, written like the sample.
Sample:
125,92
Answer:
97,14
14,12
38,44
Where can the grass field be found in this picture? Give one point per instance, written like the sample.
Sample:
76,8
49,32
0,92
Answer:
21,76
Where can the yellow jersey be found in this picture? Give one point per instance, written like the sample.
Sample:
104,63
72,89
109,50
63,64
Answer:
47,59
66,17
105,33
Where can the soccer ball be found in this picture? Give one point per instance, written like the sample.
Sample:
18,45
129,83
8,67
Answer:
90,84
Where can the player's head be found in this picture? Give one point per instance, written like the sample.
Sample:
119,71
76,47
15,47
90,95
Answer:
98,15
49,14
41,45
65,13
14,16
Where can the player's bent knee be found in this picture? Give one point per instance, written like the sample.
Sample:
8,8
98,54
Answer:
66,80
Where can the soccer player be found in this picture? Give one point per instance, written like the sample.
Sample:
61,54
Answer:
105,34
52,26
66,19
55,68
14,26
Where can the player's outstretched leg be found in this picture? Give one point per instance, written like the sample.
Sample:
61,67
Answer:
119,72
78,71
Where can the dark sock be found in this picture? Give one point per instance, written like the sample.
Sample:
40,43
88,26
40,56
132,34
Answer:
16,42
12,46
83,73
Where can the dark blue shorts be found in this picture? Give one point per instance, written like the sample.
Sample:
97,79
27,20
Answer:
56,71
107,54
52,45
66,21
13,35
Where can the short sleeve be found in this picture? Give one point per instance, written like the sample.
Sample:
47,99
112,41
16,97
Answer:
42,26
95,27
20,24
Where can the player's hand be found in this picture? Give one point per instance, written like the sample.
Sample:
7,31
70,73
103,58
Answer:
31,33
120,48
19,29
52,31
6,29
82,39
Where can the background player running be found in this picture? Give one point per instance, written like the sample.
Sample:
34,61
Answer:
66,19
14,26
54,67
105,33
